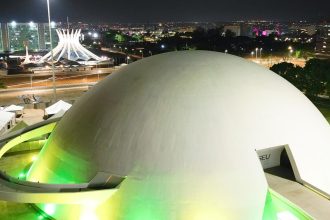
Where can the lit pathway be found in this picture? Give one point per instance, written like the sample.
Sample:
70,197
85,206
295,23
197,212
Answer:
311,202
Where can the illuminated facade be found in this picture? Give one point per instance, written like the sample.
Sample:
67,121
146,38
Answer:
323,41
175,136
14,36
1,41
21,34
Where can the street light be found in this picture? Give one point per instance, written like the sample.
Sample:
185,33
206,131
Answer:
257,53
260,52
290,51
51,51
13,24
31,24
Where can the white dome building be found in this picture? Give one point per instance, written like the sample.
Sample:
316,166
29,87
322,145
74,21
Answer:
182,129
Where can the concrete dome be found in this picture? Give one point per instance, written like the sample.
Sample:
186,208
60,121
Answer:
182,127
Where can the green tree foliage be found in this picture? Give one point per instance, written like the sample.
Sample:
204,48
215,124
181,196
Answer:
294,74
120,38
229,33
317,74
312,79
137,38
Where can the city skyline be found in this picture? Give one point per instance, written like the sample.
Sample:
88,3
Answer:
151,11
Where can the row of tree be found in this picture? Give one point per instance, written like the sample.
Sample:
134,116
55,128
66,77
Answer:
313,79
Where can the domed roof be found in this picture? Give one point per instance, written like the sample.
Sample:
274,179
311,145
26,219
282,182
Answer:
183,128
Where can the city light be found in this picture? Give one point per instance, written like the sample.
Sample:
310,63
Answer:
34,158
50,209
13,23
286,216
21,175
95,35
53,24
31,24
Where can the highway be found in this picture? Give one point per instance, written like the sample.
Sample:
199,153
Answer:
64,92
69,85
270,61
62,78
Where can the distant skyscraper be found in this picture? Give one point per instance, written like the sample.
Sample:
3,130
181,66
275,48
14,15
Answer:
1,44
14,36
21,34
42,38
323,41
4,41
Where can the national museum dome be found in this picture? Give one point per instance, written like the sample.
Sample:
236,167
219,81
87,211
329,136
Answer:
183,128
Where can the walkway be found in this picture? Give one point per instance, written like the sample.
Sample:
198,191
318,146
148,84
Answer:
311,202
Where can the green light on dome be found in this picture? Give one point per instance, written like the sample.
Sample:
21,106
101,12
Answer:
279,208
21,175
50,209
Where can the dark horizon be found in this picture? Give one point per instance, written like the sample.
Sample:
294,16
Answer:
103,11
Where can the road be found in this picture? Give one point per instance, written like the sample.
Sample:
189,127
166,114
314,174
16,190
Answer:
270,61
67,93
70,85
62,78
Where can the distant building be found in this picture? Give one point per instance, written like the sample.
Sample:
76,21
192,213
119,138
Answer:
246,30
1,44
309,29
323,42
14,36
4,41
236,29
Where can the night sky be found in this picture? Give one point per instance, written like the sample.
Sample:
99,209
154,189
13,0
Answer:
166,10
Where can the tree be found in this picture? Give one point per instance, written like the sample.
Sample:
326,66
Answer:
198,34
120,38
229,34
294,74
317,74
312,79
214,34
282,68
